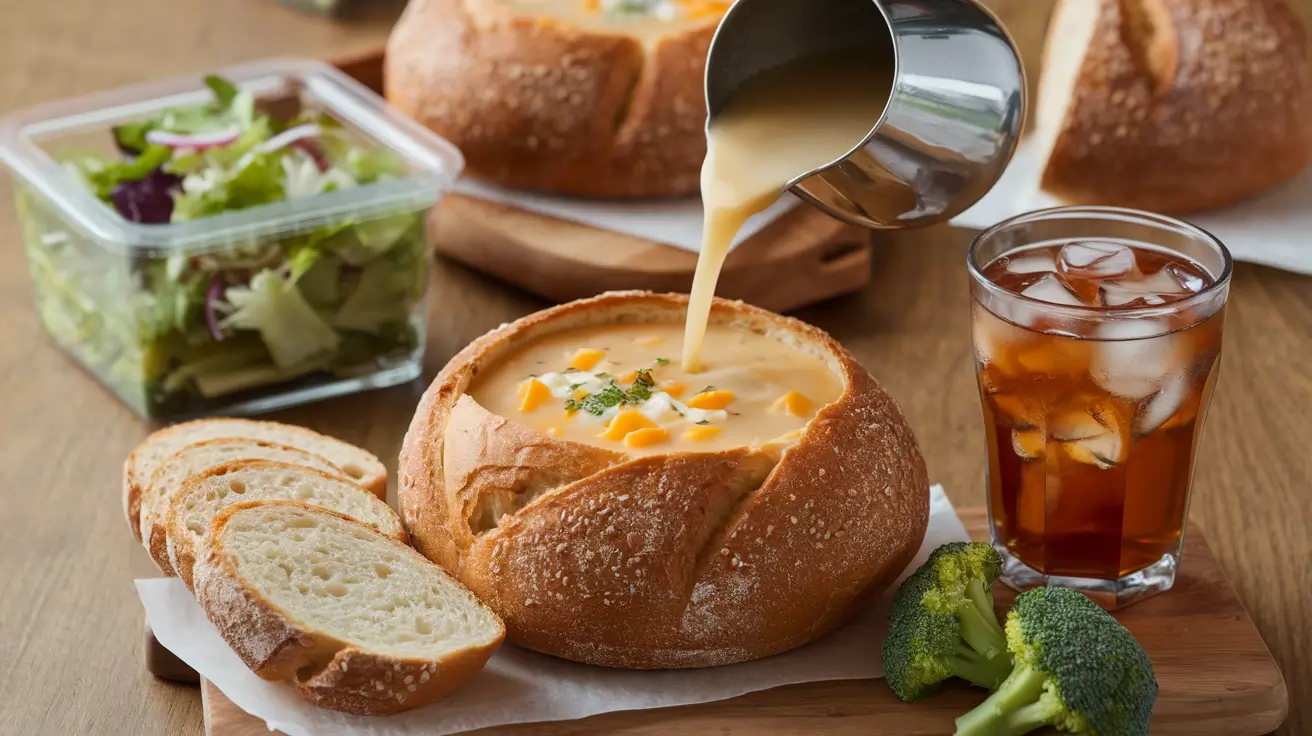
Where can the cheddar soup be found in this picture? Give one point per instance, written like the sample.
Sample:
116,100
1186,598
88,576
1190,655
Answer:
621,387
645,19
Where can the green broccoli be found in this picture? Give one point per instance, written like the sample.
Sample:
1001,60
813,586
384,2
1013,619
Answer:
943,625
1077,669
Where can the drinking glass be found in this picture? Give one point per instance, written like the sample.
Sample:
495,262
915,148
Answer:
1097,336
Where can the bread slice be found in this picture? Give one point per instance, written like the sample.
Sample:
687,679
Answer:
204,495
196,459
536,101
355,620
1173,105
359,464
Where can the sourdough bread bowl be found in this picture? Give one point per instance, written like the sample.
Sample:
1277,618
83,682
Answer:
548,95
1173,106
663,559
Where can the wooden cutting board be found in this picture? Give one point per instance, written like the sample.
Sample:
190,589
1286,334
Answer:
1215,674
801,258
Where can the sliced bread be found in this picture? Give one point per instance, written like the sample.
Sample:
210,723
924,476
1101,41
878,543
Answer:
204,495
363,467
165,484
355,620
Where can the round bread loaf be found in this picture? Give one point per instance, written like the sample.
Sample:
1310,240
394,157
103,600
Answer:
1173,105
537,102
683,559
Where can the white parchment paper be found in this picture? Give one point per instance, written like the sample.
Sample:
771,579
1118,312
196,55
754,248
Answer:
519,686
676,222
1274,228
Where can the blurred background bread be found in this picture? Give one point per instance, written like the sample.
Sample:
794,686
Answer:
540,96
1173,106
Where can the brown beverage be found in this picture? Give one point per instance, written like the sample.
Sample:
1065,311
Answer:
1096,360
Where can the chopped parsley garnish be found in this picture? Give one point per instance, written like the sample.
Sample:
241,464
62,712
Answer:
707,390
662,361
704,421
571,369
611,395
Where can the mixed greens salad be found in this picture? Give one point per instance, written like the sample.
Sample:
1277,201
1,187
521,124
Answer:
188,332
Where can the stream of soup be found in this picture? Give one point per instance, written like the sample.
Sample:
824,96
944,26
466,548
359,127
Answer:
621,387
781,124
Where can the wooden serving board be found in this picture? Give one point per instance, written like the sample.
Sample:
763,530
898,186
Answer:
1215,674
803,257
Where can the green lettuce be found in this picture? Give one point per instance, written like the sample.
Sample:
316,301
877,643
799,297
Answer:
292,331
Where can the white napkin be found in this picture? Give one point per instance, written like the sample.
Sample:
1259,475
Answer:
519,686
1274,228
676,222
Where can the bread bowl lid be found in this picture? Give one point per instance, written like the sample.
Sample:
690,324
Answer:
31,140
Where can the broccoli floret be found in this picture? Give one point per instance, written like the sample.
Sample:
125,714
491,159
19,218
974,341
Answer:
1077,669
943,625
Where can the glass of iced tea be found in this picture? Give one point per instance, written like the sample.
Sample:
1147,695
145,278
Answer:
1097,336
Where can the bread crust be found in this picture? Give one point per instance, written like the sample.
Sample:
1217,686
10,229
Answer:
326,671
676,560
138,469
1184,105
155,513
179,550
534,103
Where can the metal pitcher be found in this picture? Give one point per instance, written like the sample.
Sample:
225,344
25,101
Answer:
952,121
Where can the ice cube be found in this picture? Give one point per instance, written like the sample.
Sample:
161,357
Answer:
1104,451
1114,294
1083,422
1031,263
1054,290
1158,409
1185,277
1097,260
1028,443
1018,411
1161,283
1132,358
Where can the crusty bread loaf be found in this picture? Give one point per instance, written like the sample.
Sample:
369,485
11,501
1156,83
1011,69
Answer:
168,478
675,560
357,621
537,103
204,495
1173,105
360,465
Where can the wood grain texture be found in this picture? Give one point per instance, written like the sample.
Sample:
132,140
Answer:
802,258
1215,675
70,656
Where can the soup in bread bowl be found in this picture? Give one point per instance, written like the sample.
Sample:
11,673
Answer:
618,511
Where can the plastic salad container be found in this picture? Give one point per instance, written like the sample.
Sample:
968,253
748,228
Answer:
230,244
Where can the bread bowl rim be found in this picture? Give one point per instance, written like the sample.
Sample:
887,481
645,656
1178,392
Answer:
469,362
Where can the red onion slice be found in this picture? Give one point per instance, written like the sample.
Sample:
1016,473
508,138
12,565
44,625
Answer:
288,137
193,140
212,295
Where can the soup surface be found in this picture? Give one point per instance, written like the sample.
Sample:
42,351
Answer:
780,125
621,387
644,19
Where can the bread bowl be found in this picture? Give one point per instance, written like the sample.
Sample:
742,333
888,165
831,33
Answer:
541,95
1173,105
671,554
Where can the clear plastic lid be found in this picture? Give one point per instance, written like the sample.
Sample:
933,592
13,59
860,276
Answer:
30,140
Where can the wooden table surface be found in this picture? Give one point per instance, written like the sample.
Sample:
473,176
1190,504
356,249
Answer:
70,659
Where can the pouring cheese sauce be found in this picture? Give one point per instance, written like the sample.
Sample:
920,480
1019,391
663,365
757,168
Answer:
780,125
624,387
613,386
